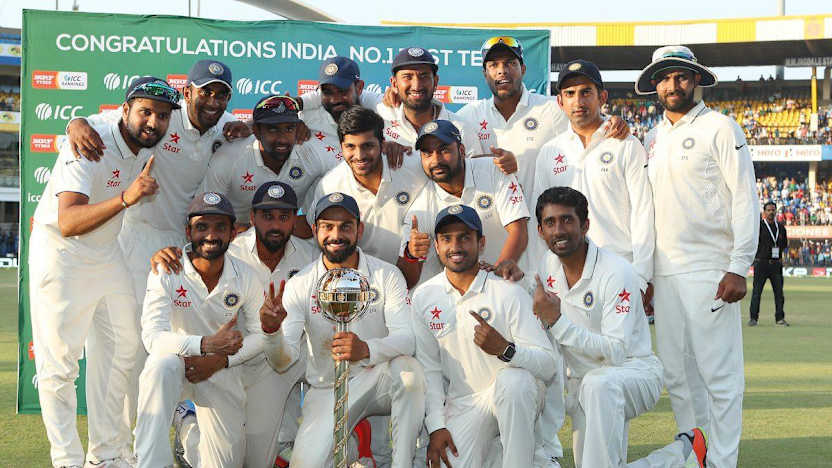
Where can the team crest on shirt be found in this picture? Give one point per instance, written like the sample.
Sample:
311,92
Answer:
295,172
530,124
606,157
374,295
688,143
402,198
485,313
231,300
485,202
588,299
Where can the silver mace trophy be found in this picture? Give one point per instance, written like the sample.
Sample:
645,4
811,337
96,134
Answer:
343,295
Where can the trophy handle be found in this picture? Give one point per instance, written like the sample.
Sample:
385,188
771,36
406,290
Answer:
341,411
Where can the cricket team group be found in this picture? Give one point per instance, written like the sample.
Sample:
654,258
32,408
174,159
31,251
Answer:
515,251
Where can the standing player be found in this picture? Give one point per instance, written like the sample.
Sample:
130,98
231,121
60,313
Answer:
384,379
707,223
74,241
494,381
181,162
589,309
270,154
271,250
456,179
773,243
189,328
383,195
611,173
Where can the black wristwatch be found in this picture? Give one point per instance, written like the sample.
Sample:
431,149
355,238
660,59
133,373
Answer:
508,353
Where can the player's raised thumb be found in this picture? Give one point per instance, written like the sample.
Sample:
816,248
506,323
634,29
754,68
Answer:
414,225
231,323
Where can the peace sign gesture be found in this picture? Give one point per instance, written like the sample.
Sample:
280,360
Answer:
272,313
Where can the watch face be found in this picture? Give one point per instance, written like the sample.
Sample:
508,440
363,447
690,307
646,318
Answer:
508,353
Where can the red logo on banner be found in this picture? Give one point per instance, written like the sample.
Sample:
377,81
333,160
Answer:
106,107
178,81
45,79
31,351
307,86
44,144
442,94
242,114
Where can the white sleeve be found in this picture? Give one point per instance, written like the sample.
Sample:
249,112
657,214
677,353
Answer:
371,100
642,227
156,328
472,142
734,161
428,355
533,351
249,323
102,118
397,316
73,175
282,347
620,315
509,198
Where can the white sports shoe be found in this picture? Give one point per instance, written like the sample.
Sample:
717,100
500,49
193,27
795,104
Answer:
110,463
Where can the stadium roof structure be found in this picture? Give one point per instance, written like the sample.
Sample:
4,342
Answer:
778,40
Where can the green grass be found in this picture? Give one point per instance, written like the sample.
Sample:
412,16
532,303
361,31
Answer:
787,415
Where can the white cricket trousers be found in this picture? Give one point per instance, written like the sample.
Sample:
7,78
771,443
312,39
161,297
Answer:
74,300
551,418
267,393
139,241
602,402
396,388
220,411
703,360
508,410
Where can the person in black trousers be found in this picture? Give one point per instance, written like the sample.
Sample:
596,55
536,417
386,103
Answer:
768,265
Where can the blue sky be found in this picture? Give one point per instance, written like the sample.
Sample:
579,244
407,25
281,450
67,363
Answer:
374,11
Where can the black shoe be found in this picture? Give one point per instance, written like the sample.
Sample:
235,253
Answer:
752,323
783,323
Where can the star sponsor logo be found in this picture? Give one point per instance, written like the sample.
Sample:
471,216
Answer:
320,135
484,125
169,145
67,80
248,182
623,297
560,164
181,299
435,312
550,281
513,187
115,179
174,137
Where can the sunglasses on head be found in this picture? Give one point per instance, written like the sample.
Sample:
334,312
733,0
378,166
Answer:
279,103
505,40
155,88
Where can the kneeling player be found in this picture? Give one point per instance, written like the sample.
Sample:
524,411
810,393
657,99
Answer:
384,379
477,331
189,326
592,309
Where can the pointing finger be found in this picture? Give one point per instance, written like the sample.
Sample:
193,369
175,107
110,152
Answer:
146,170
477,317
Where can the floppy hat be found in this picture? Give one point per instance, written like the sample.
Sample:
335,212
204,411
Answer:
673,57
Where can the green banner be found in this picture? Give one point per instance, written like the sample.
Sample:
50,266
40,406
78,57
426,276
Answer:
75,64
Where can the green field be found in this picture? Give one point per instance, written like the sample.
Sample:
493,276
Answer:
787,417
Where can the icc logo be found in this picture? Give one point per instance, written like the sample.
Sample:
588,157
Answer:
42,174
115,81
45,111
247,86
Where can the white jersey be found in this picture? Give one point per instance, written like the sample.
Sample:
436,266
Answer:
385,326
445,345
180,164
612,175
602,322
706,203
179,311
383,212
497,198
237,170
99,181
297,255
536,120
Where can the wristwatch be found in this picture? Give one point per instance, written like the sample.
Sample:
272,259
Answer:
508,353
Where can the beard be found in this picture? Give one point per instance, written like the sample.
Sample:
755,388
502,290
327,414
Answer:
685,101
341,255
418,105
336,113
450,172
199,250
139,136
468,263
265,238
572,245
516,90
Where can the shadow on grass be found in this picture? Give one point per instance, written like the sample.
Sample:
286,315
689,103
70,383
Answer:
787,399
